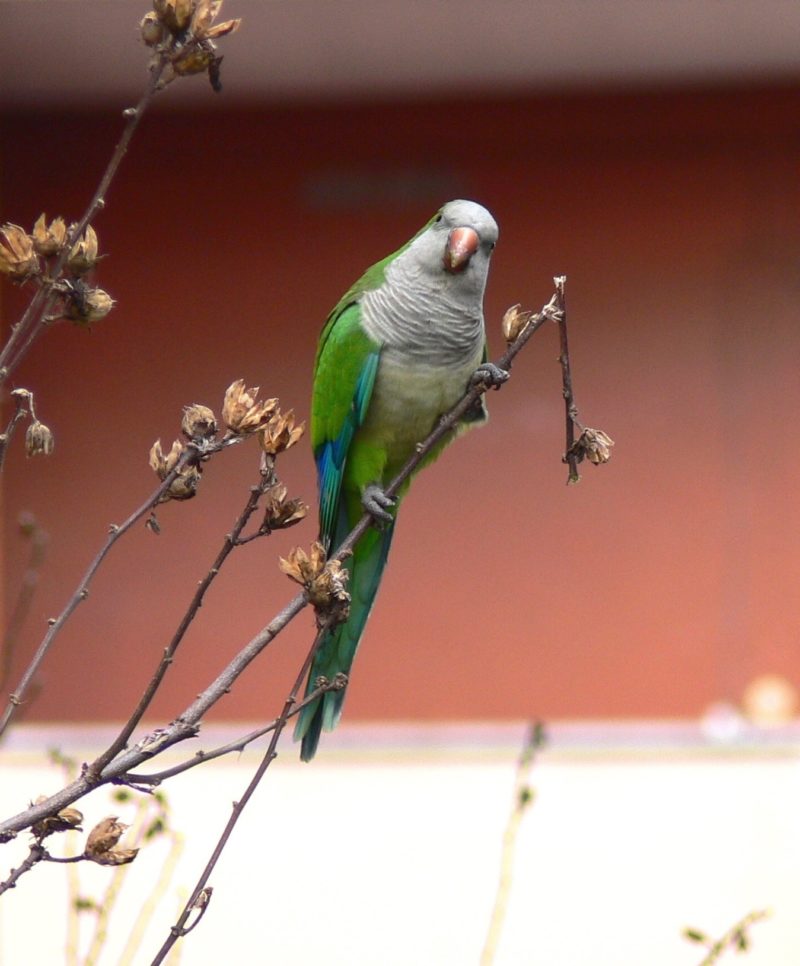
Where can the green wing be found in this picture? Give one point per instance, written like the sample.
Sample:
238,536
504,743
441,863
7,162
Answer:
347,363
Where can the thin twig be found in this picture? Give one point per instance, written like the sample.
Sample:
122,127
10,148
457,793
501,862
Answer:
35,855
32,323
186,725
239,744
523,796
736,938
571,411
230,543
21,398
179,929
81,593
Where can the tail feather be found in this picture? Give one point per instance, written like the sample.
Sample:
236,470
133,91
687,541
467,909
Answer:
339,646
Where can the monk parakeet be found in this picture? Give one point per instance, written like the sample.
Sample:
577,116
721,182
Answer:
396,353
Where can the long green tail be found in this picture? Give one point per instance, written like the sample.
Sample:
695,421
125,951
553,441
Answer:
338,648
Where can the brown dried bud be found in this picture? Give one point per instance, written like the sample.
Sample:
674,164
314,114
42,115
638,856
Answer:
104,836
174,14
162,465
280,513
198,422
594,445
18,259
83,256
63,821
115,857
205,14
38,439
240,411
87,305
49,240
151,29
514,321
101,841
324,581
280,433
185,484
196,61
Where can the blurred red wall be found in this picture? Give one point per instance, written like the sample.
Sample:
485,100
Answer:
664,581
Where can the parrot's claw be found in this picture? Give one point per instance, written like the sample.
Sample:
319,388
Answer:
376,503
490,374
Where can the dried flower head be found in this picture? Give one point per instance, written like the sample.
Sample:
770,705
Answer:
151,29
63,821
161,464
594,445
324,581
204,16
174,14
196,60
101,842
49,239
38,439
280,433
514,321
85,305
198,422
280,513
18,259
241,413
185,484
83,256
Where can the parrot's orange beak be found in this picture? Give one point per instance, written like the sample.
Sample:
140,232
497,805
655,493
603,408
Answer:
462,243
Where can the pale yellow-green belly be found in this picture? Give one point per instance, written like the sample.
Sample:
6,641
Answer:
406,403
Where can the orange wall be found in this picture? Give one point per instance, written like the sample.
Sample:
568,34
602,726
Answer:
664,581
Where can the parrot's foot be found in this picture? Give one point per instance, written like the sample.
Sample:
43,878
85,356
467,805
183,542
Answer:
376,503
490,374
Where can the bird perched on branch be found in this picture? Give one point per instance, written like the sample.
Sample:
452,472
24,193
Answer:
397,352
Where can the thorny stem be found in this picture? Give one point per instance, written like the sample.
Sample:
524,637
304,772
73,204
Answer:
186,725
81,593
32,323
523,796
231,541
180,929
571,411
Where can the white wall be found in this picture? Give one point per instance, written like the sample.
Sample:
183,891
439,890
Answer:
386,849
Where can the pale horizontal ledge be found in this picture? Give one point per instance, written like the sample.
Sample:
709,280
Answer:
720,734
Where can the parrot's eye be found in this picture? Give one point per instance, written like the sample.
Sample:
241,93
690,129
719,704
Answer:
437,219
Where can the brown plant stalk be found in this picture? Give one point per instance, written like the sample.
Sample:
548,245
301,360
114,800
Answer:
186,725
201,894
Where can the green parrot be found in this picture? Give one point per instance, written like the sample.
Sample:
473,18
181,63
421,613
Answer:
396,353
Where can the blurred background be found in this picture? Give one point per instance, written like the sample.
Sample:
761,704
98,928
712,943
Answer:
647,150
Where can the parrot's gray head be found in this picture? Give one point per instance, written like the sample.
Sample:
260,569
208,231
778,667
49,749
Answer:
456,244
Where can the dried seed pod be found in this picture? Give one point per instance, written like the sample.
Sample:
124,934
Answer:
83,256
18,259
514,321
49,239
280,433
196,61
151,29
63,821
86,305
592,444
161,464
101,841
241,413
174,14
38,439
198,422
280,513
